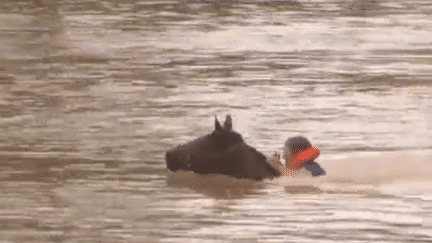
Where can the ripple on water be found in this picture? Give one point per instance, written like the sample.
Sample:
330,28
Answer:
93,94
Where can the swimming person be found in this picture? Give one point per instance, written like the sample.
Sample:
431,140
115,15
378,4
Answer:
299,156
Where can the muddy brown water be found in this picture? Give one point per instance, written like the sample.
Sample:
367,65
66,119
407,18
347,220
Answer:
92,94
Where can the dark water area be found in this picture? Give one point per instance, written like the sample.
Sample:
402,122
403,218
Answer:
93,93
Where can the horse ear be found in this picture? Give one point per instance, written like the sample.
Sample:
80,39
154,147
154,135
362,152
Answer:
228,123
217,125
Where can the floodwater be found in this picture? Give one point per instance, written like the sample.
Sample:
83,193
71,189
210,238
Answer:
92,94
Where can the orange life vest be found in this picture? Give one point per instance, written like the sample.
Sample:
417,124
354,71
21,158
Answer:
298,160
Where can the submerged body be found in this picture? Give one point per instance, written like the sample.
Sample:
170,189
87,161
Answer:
224,152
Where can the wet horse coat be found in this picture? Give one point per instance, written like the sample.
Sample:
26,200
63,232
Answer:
221,152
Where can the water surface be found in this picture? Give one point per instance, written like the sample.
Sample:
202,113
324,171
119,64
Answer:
92,94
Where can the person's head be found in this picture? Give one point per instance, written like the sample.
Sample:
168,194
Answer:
304,153
294,145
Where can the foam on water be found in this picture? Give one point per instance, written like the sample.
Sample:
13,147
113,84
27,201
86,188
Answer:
393,173
379,167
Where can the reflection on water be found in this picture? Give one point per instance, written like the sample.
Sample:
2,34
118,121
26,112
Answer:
92,94
218,186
